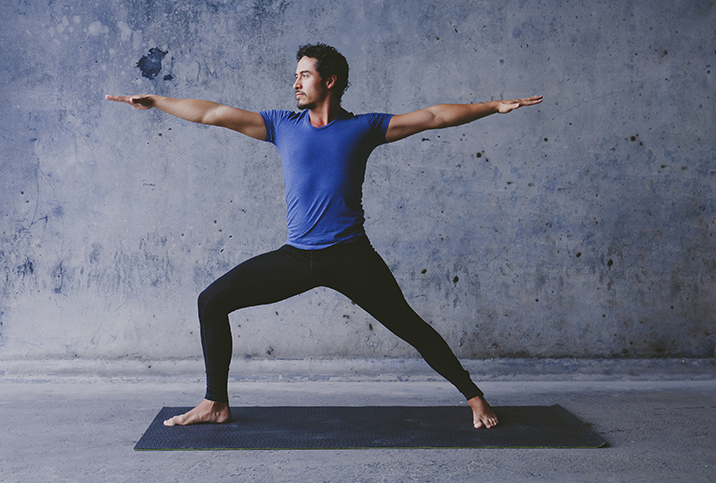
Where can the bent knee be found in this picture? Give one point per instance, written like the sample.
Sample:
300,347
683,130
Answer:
208,304
203,299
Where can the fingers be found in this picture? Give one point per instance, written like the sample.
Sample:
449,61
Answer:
508,106
138,102
530,101
125,99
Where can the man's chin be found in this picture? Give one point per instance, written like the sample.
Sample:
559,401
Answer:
303,106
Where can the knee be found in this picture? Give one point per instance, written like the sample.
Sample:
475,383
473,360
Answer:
203,298
203,302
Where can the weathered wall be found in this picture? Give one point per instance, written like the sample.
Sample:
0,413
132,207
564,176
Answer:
579,228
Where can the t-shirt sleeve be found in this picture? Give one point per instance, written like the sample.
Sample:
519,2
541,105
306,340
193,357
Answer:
379,124
271,120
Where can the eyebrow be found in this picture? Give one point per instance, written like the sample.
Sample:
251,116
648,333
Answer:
303,72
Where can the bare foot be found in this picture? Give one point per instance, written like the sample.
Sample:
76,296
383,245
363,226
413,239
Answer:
206,412
482,413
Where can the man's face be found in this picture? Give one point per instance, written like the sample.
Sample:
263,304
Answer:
310,88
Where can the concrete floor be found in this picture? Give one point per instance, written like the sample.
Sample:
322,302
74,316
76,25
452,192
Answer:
77,428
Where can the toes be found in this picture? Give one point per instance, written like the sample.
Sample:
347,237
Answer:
487,422
175,421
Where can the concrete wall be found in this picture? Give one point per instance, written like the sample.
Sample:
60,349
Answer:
580,228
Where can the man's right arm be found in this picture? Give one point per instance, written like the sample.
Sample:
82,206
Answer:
204,112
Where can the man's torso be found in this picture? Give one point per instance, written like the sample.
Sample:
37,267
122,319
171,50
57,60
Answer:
323,171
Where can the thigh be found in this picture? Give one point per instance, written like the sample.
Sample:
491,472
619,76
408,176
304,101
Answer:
264,279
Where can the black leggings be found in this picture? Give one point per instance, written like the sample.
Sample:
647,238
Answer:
352,268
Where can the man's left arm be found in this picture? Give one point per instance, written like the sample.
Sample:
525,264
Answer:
448,115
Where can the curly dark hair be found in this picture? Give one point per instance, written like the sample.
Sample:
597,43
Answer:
328,62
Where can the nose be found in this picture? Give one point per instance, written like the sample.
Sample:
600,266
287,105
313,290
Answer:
297,84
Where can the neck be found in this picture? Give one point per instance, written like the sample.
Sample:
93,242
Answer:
324,113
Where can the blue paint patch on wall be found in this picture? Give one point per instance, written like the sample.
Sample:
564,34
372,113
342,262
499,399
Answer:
151,64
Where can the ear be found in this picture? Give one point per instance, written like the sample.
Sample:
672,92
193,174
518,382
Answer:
331,81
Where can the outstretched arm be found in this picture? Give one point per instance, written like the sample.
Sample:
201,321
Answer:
204,112
447,115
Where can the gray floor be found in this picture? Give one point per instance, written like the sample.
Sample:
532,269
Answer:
83,428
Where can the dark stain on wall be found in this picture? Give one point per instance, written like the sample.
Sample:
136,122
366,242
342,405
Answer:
151,64
59,275
27,268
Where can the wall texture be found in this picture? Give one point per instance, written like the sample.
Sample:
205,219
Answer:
579,228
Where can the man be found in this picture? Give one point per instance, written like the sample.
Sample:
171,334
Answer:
323,151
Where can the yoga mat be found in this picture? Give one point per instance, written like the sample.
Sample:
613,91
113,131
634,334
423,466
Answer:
336,427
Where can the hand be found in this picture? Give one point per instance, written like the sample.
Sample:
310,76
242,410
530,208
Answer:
503,107
137,102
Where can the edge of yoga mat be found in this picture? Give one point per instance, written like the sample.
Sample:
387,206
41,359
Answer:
372,427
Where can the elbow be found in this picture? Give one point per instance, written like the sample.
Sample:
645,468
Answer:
440,119
210,118
435,121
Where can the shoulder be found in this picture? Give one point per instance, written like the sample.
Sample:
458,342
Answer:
277,115
377,123
279,121
373,117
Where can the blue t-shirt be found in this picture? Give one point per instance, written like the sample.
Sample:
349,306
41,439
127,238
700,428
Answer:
323,172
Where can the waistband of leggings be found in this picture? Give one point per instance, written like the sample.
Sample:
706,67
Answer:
359,242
